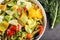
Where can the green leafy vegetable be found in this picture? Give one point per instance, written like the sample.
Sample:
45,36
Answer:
7,18
27,28
22,4
16,14
58,17
32,23
55,16
9,12
11,4
52,8
16,36
19,33
24,18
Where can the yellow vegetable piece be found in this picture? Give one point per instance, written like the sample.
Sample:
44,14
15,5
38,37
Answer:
2,28
35,13
23,14
39,13
5,24
14,7
32,13
23,19
31,23
3,7
28,29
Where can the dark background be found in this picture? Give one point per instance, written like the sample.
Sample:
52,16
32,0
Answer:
51,34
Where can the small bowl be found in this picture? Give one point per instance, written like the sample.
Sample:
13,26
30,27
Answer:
44,15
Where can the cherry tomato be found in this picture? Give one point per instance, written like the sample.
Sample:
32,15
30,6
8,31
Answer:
29,36
13,28
10,33
41,29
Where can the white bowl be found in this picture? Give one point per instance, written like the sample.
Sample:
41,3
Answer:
44,14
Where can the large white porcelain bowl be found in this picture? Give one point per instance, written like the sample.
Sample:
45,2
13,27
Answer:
44,14
45,18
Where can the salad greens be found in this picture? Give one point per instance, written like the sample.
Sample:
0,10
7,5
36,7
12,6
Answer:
7,18
52,8
20,20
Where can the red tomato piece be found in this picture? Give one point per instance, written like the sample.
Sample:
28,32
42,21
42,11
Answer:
35,6
29,36
10,33
19,27
19,10
25,9
41,29
13,28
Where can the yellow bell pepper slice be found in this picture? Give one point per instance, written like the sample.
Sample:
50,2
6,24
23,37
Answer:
32,13
39,13
5,24
24,18
35,13
2,28
3,7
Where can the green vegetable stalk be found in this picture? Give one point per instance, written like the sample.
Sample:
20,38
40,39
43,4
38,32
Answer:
52,8
55,16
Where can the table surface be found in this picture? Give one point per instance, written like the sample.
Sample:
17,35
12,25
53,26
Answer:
51,34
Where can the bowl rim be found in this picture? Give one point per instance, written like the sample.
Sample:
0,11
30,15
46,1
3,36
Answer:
44,14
